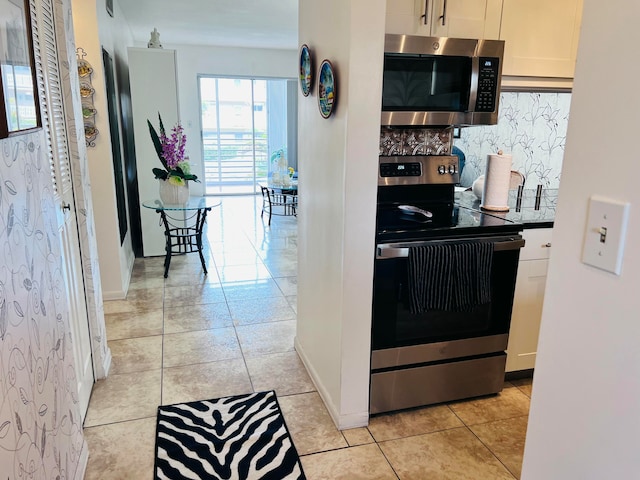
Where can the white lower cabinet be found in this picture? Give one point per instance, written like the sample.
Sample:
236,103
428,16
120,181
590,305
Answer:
528,300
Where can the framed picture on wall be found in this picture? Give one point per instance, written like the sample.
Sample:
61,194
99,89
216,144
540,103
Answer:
20,108
110,7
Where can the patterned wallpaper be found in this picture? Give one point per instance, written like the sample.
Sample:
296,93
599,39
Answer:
532,127
40,422
40,430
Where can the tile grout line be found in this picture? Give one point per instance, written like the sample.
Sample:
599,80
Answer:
387,459
492,452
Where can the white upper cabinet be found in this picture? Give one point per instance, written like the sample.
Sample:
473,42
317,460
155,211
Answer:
466,18
541,37
445,18
403,18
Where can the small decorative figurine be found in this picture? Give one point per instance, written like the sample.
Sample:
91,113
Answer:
155,39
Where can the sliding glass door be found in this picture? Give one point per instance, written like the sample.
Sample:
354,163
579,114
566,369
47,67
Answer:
243,122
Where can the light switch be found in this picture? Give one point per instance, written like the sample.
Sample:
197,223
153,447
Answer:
605,234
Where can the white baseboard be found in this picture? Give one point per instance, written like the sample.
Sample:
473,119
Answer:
127,280
106,365
83,461
342,422
114,295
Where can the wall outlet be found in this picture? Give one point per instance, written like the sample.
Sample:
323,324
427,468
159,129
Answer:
605,235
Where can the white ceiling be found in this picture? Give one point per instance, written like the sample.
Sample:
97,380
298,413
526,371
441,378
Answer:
240,23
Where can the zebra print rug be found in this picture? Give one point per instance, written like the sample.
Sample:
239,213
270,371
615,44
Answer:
243,437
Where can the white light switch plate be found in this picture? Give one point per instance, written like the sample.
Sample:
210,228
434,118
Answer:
605,234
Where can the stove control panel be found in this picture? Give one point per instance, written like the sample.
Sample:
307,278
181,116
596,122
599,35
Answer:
418,170
404,169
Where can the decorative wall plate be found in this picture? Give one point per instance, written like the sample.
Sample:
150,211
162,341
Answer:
306,67
326,89
88,111
90,133
86,90
84,68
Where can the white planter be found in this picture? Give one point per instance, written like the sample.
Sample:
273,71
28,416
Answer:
171,194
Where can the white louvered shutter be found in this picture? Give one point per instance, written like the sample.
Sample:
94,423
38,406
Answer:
51,101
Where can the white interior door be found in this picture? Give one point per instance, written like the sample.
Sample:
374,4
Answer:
53,119
78,318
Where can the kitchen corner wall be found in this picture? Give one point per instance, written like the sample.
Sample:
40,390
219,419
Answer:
336,221
532,127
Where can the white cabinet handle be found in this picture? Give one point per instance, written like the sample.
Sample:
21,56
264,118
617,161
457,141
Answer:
426,9
444,13
547,245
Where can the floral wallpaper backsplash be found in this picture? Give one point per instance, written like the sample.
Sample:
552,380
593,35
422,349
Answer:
532,127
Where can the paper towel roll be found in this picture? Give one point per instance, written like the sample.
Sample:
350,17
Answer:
495,194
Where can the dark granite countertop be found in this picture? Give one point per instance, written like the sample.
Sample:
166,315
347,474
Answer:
526,213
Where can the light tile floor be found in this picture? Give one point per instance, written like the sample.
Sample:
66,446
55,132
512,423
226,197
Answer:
193,337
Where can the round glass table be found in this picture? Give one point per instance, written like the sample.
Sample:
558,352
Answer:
183,224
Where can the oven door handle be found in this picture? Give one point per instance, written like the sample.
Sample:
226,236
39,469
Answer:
400,250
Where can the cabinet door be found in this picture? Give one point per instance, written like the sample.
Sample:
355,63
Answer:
407,17
541,37
445,18
526,315
466,18
528,299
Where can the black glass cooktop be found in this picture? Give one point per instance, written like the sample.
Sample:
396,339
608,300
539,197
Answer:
395,224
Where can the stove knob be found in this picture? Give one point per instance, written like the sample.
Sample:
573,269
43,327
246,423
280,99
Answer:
442,169
452,169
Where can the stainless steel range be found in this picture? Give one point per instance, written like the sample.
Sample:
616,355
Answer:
444,281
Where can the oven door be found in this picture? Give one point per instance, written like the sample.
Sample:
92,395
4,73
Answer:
395,326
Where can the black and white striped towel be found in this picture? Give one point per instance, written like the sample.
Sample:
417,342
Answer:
450,277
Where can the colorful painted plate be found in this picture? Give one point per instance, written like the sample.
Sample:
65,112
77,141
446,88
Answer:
326,89
305,70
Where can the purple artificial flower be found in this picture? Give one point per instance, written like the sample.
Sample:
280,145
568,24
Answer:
173,146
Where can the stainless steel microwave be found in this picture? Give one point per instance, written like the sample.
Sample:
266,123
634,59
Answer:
440,81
